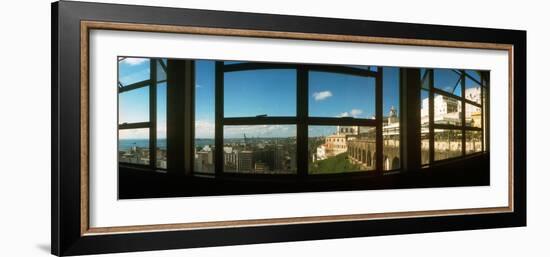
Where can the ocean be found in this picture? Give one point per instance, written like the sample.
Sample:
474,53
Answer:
126,144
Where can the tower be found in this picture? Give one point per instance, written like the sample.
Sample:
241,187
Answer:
392,117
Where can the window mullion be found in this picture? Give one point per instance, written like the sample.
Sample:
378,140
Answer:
153,114
463,114
189,105
379,122
218,134
431,118
302,105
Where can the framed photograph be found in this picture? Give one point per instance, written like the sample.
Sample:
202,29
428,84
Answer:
178,128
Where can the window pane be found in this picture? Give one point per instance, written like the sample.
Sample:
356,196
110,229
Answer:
133,106
260,92
425,78
161,72
447,144
425,126
340,95
473,116
338,149
484,118
204,116
447,110
473,141
133,146
390,130
204,156
161,126
448,80
260,149
133,70
473,86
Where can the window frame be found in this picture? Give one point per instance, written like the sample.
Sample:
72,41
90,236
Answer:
152,83
302,120
432,90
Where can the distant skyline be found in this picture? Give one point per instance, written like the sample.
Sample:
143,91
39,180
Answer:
250,93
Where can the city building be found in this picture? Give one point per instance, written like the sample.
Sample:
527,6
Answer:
245,161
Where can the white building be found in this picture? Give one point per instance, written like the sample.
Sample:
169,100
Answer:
447,110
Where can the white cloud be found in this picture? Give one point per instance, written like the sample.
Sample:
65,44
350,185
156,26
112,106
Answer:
353,113
319,96
133,134
260,131
344,114
198,85
134,61
356,112
204,129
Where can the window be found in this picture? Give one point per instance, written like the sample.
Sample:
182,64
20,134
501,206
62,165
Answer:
204,144
452,113
447,80
344,130
260,149
341,95
447,144
261,92
133,106
287,118
447,110
425,116
142,111
133,146
391,128
161,123
259,124
336,149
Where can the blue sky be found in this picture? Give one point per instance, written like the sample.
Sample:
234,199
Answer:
447,79
251,93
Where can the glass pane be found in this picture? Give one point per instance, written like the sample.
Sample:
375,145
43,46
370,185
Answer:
448,80
447,144
204,116
133,70
473,141
161,72
133,106
204,156
425,126
475,75
341,95
161,126
260,92
447,110
390,130
484,119
425,78
260,149
473,116
133,146
473,86
339,149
